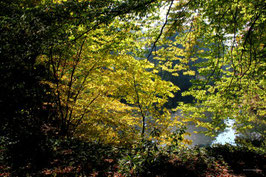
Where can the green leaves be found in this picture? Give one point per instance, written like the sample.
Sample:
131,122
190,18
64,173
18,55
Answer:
229,37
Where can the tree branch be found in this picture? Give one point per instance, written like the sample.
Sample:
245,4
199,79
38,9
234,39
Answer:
161,32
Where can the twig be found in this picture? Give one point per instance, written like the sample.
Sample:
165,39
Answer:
161,32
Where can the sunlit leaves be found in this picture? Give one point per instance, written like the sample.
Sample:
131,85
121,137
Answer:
106,89
229,37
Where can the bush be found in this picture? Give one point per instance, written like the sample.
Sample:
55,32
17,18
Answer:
148,160
76,157
139,159
240,159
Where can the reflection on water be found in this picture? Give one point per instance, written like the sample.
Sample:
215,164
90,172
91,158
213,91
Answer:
229,134
199,139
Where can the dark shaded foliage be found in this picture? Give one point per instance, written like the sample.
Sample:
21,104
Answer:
80,158
163,162
21,93
240,159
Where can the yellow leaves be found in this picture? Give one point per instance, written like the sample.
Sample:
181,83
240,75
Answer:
41,59
117,77
108,91
211,89
187,141
59,1
190,73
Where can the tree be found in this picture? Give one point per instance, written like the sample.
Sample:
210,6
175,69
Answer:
230,37
94,76
34,35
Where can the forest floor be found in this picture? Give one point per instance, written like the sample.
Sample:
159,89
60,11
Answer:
75,159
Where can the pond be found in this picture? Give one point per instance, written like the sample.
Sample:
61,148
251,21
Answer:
199,139
228,135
